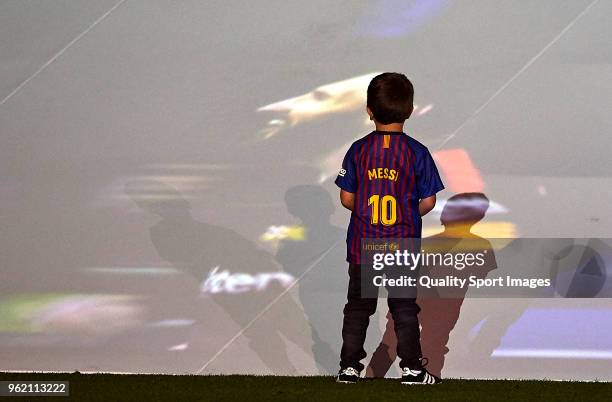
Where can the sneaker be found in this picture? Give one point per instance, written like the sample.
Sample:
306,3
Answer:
348,376
419,376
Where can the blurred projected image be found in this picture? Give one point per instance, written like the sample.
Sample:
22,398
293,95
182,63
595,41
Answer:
237,275
70,317
330,99
393,18
342,96
462,176
167,189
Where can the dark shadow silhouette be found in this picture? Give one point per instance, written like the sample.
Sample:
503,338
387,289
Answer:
440,308
320,256
236,274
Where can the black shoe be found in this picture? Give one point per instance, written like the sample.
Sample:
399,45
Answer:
348,376
419,376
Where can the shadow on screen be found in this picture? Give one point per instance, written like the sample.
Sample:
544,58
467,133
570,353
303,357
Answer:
237,275
482,327
439,312
319,260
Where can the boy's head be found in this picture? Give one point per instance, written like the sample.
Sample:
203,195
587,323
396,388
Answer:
390,97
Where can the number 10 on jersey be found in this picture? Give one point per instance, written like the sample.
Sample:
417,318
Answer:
384,209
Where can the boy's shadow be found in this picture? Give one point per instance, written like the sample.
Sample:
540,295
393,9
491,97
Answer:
439,311
320,256
198,248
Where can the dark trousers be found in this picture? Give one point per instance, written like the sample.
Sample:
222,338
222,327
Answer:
357,312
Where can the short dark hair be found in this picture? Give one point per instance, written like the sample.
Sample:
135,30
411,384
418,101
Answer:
390,97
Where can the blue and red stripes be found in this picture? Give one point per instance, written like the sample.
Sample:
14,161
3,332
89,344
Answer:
370,153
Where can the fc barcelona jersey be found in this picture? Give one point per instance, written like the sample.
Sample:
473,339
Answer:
389,173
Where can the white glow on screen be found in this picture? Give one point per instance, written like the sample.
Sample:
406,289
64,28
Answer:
339,96
222,281
554,353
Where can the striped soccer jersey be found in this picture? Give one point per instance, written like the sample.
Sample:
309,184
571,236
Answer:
389,172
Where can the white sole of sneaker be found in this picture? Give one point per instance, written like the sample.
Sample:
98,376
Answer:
346,382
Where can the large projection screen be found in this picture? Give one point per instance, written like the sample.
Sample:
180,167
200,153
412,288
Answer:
168,167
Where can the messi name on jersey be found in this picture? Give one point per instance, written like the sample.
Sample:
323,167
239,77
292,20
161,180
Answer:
383,173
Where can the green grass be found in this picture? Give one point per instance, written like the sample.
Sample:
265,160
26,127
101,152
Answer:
111,387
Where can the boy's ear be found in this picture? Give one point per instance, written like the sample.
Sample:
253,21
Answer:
370,113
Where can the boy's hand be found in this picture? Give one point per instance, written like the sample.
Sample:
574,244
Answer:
426,205
348,200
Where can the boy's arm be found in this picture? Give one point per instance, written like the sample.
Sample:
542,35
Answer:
426,205
428,182
347,181
348,200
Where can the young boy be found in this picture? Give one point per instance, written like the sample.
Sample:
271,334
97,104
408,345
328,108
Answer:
385,165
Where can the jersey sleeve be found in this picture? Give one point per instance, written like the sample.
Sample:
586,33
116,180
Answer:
347,177
428,179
